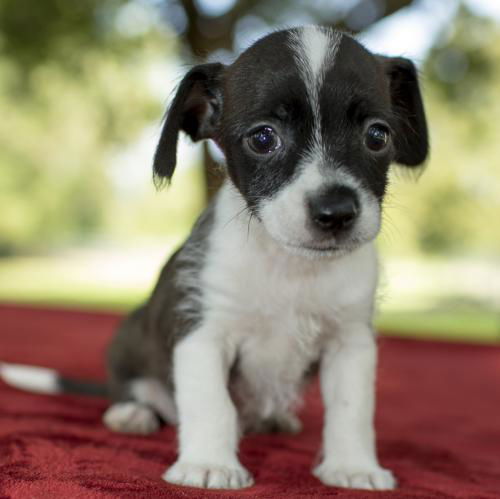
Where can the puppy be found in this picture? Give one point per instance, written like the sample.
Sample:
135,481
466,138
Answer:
280,271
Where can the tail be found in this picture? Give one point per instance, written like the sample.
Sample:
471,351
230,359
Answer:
49,381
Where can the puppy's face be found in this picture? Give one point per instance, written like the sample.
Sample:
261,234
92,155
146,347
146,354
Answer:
309,122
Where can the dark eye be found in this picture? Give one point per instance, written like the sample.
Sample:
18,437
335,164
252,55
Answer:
377,137
264,140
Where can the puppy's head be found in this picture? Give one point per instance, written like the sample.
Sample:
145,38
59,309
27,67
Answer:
309,122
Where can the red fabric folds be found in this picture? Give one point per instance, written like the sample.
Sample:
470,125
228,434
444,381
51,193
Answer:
438,424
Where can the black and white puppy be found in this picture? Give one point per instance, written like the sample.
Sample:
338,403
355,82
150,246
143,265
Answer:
280,271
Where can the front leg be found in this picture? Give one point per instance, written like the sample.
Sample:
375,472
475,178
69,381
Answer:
208,423
348,385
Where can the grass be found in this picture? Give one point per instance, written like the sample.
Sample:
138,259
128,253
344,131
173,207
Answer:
120,280
478,327
104,279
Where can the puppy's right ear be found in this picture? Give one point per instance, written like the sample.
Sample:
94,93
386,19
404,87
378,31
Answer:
196,110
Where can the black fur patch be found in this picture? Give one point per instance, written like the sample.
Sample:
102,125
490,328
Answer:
274,95
144,342
265,86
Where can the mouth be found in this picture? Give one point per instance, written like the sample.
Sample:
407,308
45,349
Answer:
319,251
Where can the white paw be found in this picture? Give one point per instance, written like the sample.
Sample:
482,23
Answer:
131,417
210,477
375,478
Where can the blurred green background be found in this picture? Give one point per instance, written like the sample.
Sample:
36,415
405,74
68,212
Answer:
83,86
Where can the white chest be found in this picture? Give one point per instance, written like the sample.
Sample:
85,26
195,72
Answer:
275,309
273,357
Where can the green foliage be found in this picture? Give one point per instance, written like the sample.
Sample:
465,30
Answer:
34,33
150,214
454,205
69,90
462,65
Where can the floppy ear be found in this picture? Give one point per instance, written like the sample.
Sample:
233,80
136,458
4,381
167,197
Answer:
196,110
411,140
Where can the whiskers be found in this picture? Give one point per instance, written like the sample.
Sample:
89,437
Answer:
246,208
250,212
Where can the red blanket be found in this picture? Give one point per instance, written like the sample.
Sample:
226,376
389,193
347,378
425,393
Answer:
438,424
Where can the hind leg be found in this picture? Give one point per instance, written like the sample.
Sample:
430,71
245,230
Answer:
131,417
145,403
142,400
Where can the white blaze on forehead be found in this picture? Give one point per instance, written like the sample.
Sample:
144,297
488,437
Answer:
315,49
315,43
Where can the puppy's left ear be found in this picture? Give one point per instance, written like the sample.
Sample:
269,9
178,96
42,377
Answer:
411,140
196,110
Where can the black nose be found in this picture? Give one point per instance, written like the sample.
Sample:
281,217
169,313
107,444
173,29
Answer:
335,209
